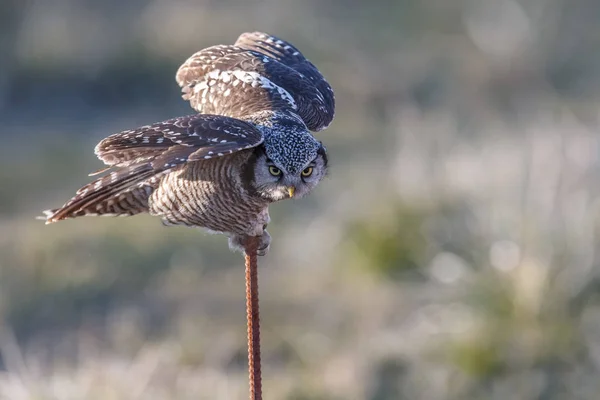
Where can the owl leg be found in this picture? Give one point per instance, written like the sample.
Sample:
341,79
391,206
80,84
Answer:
236,243
264,244
258,228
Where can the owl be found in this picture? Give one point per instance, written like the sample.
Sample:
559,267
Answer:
249,145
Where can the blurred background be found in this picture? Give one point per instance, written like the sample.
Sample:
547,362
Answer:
451,254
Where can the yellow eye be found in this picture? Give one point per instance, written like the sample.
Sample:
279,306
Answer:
274,171
307,171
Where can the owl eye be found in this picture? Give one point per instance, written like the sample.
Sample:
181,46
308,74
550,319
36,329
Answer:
274,171
307,171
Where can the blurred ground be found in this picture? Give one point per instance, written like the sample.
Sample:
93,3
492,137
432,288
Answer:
450,255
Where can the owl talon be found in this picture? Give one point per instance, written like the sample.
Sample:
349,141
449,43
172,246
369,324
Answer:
236,243
264,244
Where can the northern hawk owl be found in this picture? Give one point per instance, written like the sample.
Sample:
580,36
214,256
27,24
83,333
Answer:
249,145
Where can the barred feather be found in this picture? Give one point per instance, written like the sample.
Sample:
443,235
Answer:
102,195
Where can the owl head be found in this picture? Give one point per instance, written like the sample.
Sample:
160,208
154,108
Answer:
277,179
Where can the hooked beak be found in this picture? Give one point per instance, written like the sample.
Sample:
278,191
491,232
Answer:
291,191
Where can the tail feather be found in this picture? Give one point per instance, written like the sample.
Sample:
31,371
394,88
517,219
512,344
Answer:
122,192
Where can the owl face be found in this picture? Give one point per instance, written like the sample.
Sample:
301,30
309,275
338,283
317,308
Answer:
273,182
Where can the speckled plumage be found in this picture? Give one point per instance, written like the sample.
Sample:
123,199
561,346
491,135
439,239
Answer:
249,145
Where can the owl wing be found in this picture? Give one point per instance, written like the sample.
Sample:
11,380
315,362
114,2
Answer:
178,140
251,76
233,87
141,156
285,53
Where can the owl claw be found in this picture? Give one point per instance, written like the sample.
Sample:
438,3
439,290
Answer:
236,243
264,244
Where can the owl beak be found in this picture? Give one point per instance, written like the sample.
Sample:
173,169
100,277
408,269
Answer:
291,191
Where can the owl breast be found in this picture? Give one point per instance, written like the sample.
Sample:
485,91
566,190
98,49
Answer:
212,194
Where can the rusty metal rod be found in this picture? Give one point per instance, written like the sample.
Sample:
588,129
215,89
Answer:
252,313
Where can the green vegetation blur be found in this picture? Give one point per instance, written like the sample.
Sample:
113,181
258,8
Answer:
450,255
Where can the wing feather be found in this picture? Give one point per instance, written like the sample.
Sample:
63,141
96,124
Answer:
171,142
142,156
87,198
258,73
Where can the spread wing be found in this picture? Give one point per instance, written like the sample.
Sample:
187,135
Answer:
285,53
175,141
260,72
141,156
